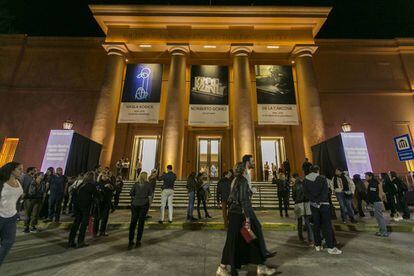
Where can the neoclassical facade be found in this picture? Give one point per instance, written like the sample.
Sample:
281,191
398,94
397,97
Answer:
367,83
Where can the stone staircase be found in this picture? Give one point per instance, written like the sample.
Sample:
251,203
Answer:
265,198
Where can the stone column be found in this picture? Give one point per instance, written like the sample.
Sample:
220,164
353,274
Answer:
104,124
310,108
242,112
173,131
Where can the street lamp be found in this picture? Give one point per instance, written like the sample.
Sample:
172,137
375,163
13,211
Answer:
67,124
346,127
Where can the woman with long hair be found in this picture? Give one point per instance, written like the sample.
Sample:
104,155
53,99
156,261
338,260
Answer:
390,191
141,194
10,192
237,251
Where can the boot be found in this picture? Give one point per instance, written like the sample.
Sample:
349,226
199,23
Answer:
264,270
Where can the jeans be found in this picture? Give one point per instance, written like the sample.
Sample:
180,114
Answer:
380,218
7,235
391,204
138,214
308,228
80,223
345,203
167,196
283,199
402,206
360,198
100,223
201,198
190,208
322,221
32,209
55,206
225,214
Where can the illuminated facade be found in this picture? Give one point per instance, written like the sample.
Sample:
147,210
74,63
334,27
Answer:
366,83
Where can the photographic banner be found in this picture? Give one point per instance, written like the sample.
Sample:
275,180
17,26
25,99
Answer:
141,94
209,96
276,102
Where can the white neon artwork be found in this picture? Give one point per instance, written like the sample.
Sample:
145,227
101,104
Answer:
142,92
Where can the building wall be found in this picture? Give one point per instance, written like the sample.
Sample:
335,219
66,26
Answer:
44,81
367,86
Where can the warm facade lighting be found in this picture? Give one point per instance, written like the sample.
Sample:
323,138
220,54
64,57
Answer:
145,45
272,47
210,46
346,127
67,124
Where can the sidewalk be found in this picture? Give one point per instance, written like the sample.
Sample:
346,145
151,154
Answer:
270,220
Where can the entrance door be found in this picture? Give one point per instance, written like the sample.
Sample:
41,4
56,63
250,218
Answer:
273,153
144,154
209,156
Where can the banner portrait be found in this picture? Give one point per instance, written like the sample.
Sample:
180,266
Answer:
276,102
141,94
209,96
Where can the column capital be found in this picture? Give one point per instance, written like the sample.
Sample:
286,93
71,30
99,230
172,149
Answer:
178,49
118,49
241,50
303,50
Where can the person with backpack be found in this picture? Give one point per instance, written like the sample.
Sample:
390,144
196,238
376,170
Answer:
106,189
33,202
83,193
10,192
375,196
191,191
344,189
402,189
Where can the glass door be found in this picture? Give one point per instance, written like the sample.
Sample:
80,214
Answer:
144,155
273,154
209,157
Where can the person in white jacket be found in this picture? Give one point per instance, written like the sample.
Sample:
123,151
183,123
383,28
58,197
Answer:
344,188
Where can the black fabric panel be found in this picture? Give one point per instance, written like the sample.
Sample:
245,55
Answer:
83,155
329,155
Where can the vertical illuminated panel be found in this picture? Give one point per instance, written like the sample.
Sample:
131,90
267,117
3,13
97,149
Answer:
8,150
356,153
57,149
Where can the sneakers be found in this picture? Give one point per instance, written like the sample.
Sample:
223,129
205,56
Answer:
334,251
264,270
33,229
222,271
318,248
379,234
26,230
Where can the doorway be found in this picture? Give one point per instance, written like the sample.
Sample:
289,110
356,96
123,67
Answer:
144,154
209,156
273,153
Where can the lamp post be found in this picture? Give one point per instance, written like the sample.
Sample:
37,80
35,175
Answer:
346,127
67,124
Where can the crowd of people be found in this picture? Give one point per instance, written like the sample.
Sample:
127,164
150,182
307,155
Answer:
90,198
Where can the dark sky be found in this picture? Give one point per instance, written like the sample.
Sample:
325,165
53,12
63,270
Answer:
348,19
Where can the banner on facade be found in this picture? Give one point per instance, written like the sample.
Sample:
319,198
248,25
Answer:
141,94
276,102
209,96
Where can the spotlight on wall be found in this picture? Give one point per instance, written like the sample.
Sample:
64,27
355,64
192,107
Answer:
272,46
292,61
145,45
210,46
346,127
67,124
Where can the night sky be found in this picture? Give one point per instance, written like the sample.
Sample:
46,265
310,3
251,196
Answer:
379,19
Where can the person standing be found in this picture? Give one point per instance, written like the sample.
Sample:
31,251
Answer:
306,167
344,189
315,188
222,195
266,170
302,209
191,191
283,192
10,192
44,211
119,184
274,170
286,169
33,202
167,194
375,195
106,189
202,190
402,189
360,192
84,191
237,251
118,167
141,194
390,191
57,188
139,167
125,168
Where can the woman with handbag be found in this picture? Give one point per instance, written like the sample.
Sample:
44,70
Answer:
241,247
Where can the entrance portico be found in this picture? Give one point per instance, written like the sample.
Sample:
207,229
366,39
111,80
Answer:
237,37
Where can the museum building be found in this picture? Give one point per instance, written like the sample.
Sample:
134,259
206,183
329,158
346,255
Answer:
200,86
